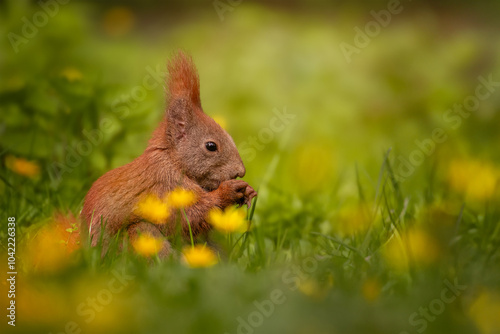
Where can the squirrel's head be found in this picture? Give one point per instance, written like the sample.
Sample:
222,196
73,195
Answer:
206,152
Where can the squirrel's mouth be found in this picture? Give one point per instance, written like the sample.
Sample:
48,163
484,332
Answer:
208,189
210,185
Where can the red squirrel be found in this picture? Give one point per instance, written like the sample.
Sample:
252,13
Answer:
188,149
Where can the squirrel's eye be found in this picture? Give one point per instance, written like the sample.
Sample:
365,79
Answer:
211,146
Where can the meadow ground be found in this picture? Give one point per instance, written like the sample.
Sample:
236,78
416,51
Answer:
377,168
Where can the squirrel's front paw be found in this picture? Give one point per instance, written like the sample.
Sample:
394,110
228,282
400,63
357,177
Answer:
231,192
250,193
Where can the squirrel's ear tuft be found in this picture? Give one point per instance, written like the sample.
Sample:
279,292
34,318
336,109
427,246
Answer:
183,80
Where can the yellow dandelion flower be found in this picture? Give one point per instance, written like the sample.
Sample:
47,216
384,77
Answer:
147,245
353,219
477,180
416,245
221,121
313,289
153,209
71,74
485,310
50,248
424,248
395,255
228,221
22,166
181,198
199,256
371,289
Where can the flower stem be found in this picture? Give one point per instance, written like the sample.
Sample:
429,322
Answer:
189,225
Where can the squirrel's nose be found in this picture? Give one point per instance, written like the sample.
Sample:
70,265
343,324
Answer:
240,172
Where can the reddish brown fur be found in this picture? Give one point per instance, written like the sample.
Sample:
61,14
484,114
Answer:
183,79
175,156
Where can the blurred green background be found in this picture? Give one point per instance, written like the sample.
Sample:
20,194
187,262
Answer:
376,191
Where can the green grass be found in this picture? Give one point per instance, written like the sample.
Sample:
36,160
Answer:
333,238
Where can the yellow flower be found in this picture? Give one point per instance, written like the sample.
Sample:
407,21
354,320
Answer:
395,255
228,221
71,74
47,252
199,256
147,245
153,209
371,289
22,166
485,310
314,289
353,219
50,248
477,180
181,198
417,245
424,248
